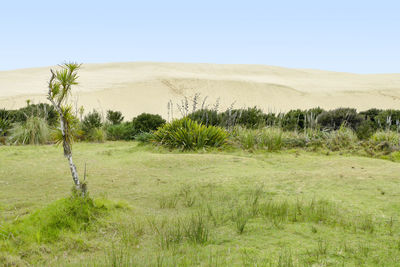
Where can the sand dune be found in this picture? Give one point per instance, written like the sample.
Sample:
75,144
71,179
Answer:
139,87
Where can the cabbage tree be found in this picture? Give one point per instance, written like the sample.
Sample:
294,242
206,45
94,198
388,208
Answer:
60,86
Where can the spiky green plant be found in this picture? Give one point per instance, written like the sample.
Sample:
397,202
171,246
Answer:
34,131
186,134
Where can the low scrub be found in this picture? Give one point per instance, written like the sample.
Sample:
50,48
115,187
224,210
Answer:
34,131
267,138
147,123
186,134
342,138
390,137
96,135
274,138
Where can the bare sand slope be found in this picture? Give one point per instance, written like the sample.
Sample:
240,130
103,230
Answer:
139,87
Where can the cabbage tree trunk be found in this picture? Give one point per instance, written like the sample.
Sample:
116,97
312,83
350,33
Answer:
66,144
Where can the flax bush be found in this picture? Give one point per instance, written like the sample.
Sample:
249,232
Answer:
186,134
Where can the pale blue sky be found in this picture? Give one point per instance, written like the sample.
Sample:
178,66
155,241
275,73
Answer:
353,36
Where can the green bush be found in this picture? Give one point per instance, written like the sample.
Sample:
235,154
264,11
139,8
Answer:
335,119
294,139
91,121
269,138
390,137
342,138
123,131
42,110
97,135
249,118
34,131
271,119
371,114
366,129
186,134
206,117
147,123
294,120
247,138
114,117
144,137
5,126
388,119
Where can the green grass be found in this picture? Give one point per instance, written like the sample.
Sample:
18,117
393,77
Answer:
288,208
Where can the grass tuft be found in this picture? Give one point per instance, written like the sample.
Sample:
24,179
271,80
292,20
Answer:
72,214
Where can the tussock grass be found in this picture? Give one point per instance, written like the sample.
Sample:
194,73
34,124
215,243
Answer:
169,202
34,131
270,138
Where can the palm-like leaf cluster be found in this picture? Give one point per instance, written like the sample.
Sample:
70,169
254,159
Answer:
186,134
72,129
62,80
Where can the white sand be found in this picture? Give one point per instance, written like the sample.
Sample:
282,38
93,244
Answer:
139,87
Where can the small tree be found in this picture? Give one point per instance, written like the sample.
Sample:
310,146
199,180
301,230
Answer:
60,85
91,121
114,117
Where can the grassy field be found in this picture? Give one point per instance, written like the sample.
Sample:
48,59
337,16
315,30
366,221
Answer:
290,208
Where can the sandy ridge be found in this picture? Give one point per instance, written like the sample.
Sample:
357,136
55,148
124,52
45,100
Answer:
147,87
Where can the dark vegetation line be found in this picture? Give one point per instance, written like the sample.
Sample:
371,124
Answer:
251,128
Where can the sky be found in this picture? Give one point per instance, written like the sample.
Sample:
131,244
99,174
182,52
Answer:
349,36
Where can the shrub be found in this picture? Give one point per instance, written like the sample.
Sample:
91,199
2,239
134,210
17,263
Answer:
269,138
5,122
249,118
144,137
247,138
123,131
34,131
147,123
342,138
334,119
5,126
370,114
42,110
271,119
294,139
206,117
294,120
392,138
388,119
91,121
114,117
186,134
366,129
97,135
